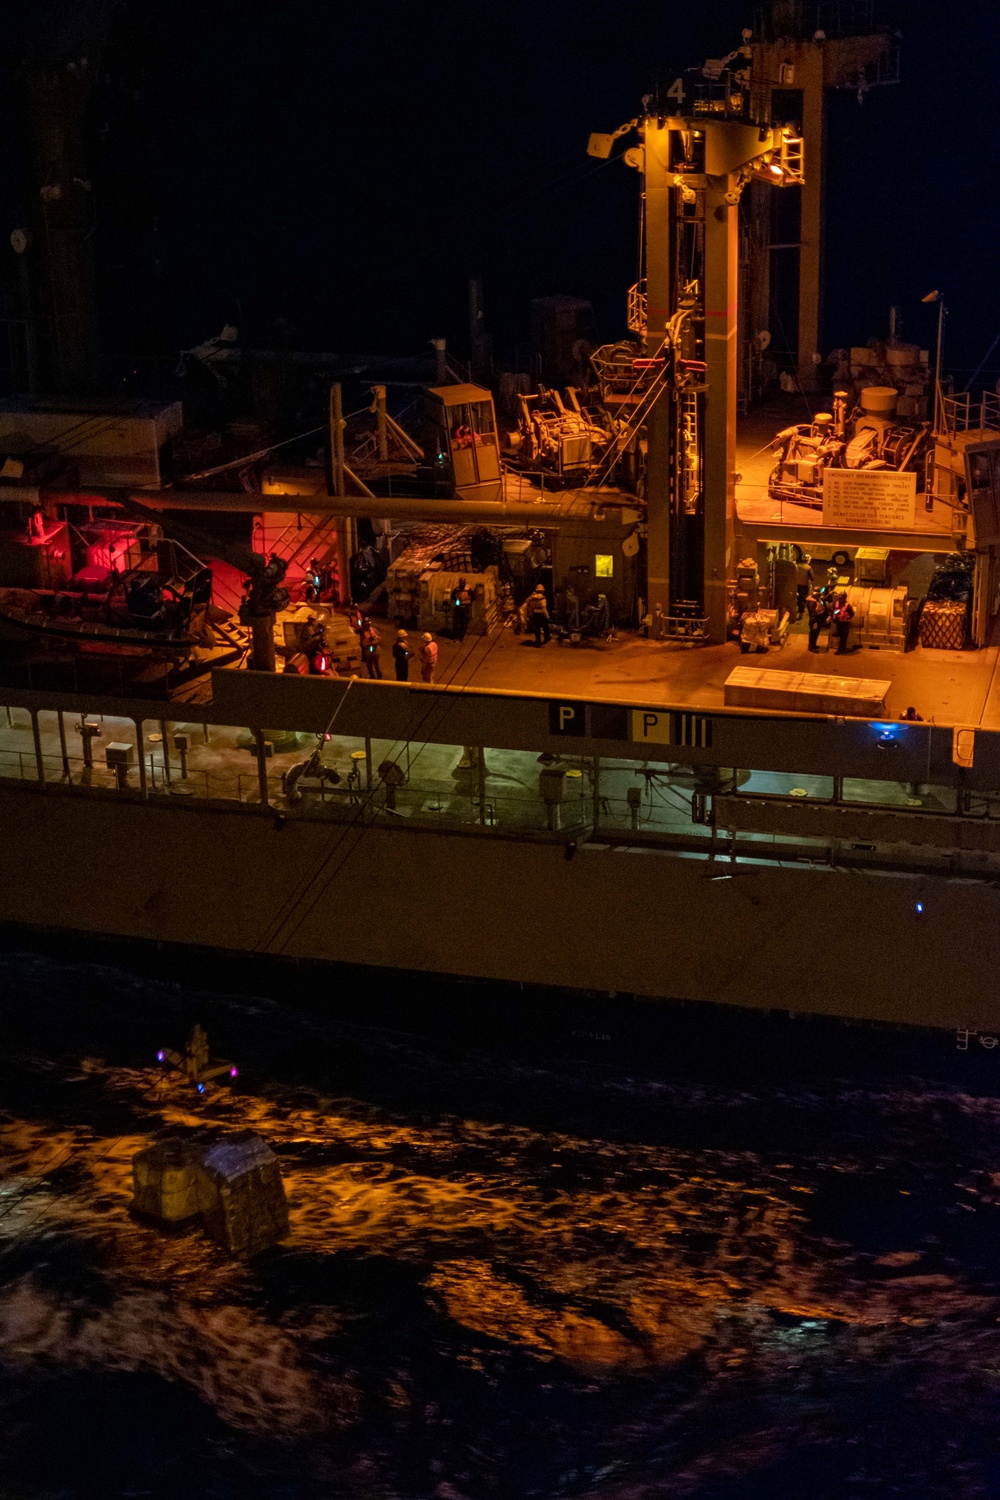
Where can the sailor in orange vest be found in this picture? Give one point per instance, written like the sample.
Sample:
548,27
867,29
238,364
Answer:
428,657
843,614
369,648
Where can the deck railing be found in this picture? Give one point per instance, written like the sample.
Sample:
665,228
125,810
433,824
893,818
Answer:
766,815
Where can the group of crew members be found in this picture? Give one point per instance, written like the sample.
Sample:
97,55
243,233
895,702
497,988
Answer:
829,610
401,653
369,638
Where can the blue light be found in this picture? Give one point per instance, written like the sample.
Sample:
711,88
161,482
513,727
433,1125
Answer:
201,1088
161,1055
919,907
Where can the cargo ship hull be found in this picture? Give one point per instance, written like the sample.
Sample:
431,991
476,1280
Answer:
616,917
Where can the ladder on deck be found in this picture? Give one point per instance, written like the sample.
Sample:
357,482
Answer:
297,545
630,428
690,453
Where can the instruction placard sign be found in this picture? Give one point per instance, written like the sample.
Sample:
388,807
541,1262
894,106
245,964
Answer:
877,499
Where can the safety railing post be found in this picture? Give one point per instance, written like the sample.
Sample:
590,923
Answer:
597,793
140,754
261,767
481,779
37,736
62,745
166,752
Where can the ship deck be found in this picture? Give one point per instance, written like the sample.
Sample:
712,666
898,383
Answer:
945,687
759,517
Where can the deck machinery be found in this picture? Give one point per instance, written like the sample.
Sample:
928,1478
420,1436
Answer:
696,155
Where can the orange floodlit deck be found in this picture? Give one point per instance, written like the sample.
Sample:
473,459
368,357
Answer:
945,687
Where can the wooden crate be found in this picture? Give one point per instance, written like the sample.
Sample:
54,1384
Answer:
805,692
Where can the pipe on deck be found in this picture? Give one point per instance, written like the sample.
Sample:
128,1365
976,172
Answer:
563,512
379,507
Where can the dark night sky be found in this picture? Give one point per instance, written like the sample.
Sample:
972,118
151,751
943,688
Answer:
350,166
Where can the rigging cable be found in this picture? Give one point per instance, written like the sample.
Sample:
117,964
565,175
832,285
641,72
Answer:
249,458
357,823
305,881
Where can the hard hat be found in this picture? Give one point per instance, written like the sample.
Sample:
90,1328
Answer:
540,588
400,634
428,636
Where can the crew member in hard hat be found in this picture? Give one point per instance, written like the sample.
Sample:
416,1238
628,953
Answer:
369,648
461,602
803,585
538,616
428,657
819,617
313,582
401,656
843,614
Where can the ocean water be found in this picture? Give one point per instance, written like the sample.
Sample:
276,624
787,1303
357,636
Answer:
540,1246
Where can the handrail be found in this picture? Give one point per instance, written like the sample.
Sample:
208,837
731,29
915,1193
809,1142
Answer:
963,414
717,842
308,537
627,431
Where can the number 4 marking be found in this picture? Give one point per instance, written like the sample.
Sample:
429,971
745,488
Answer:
676,90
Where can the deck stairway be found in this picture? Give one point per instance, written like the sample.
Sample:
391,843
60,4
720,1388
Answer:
634,406
297,542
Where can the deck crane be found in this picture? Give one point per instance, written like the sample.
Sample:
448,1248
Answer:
696,154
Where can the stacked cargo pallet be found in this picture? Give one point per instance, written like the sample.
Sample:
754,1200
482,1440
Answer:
298,627
942,625
437,590
431,548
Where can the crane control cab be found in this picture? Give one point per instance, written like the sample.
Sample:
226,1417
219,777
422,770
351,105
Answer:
696,147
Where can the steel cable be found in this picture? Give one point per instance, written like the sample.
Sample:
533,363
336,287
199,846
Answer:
304,884
294,904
